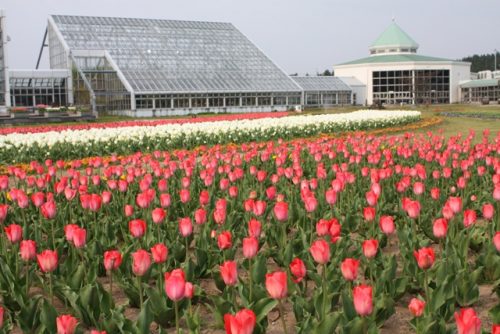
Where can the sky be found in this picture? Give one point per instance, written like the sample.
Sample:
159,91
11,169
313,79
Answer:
300,36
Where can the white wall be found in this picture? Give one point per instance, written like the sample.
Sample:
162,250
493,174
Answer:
363,72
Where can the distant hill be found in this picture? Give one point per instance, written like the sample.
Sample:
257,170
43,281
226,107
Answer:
483,62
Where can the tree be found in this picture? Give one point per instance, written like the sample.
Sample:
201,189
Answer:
482,62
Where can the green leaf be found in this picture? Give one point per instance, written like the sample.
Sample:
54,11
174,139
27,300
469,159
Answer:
263,307
48,316
145,318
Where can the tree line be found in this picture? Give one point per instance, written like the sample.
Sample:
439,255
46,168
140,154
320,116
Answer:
482,62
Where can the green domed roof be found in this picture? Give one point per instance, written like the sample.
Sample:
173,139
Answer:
394,36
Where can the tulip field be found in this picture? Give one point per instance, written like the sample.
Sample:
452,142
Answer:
279,229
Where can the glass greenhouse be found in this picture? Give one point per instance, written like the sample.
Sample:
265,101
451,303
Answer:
160,67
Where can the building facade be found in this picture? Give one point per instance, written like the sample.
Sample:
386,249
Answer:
395,74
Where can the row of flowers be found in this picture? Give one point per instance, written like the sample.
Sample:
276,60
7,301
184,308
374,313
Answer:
80,143
121,124
334,232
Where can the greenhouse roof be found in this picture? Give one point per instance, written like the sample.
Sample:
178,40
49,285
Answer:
321,83
394,36
481,83
396,58
177,56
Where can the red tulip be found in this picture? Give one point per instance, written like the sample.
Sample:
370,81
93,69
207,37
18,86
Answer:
159,252
112,259
128,210
418,188
495,329
137,227
254,228
455,204
320,251
224,240
66,324
204,197
95,202
141,261
158,215
371,198
488,211
310,203
79,237
175,284
188,290
3,212
185,227
298,269
14,233
323,227
370,248
184,195
425,257
165,200
467,321
95,331
49,210
335,230
416,307
38,198
435,193
363,300
496,241
469,217
242,322
200,216
281,211
47,261
387,224
413,209
1,316
331,196
276,284
229,273
106,197
369,213
440,228
250,247
27,250
349,268
271,193
259,208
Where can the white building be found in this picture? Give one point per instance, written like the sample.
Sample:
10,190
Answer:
394,73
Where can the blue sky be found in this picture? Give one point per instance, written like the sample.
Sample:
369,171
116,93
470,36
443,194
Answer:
300,36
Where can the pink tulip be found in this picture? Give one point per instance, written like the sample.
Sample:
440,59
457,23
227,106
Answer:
276,284
141,261
349,269
159,252
66,324
320,251
467,321
175,284
27,250
250,247
363,300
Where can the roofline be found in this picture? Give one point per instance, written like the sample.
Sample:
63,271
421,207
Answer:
139,18
59,34
424,62
215,91
265,55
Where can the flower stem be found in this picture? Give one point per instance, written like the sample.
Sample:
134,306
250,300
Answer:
323,273
250,279
27,278
140,291
282,316
111,282
426,286
51,295
176,317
